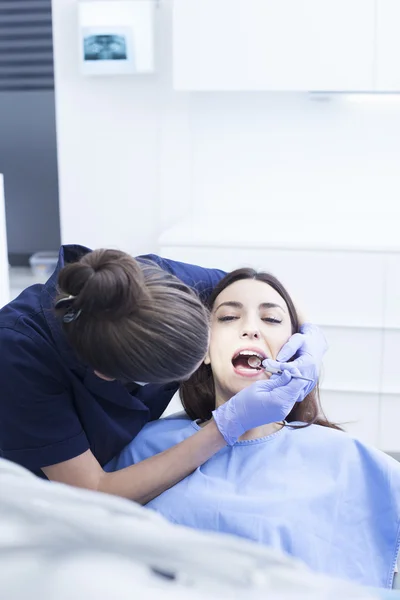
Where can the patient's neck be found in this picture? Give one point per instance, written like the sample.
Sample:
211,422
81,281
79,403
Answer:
257,432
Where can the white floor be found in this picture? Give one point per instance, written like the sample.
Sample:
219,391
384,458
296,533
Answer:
21,278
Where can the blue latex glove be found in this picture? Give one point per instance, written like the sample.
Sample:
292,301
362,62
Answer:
310,346
267,401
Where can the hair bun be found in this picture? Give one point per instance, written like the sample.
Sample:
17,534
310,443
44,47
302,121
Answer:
108,283
126,315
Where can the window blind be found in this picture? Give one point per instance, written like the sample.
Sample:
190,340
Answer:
26,45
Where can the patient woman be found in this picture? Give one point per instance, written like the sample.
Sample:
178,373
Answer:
300,485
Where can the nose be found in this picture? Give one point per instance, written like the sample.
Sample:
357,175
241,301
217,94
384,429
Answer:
250,332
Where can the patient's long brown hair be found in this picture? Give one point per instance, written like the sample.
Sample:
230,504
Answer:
198,392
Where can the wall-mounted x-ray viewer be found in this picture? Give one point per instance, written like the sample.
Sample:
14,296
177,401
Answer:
116,37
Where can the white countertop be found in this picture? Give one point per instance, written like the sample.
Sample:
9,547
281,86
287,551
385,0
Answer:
338,233
21,278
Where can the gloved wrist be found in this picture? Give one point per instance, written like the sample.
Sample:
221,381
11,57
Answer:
226,420
306,326
315,344
265,401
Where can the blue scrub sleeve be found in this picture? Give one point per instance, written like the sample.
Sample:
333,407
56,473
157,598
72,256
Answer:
38,423
200,279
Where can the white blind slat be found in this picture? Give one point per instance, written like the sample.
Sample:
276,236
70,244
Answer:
25,6
26,45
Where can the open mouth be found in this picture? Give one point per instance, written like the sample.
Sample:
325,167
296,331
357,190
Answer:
248,361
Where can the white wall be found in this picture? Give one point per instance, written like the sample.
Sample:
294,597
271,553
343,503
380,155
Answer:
134,156
108,133
287,153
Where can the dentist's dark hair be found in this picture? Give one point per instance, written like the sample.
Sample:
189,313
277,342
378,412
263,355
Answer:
130,320
198,392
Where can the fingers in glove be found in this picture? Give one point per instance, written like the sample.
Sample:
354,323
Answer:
298,389
292,367
299,364
275,381
291,347
313,331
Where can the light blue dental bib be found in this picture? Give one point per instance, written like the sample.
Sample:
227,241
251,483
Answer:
315,493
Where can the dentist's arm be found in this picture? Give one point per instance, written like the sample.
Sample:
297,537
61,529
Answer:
202,280
145,480
263,402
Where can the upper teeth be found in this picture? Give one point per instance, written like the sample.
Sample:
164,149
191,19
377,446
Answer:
250,353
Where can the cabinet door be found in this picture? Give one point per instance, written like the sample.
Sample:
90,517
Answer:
332,288
389,438
388,46
392,294
352,361
356,413
292,45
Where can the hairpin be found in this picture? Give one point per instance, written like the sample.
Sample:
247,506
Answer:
71,314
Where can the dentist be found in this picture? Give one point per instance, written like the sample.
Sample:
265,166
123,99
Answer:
89,358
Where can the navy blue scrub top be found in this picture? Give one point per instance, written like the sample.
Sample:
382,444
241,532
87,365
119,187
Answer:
53,407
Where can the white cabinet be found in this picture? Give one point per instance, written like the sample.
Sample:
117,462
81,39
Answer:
330,301
356,413
277,45
388,46
389,439
353,363
392,295
390,362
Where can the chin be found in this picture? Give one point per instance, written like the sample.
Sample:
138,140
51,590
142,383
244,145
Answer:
244,384
236,384
236,387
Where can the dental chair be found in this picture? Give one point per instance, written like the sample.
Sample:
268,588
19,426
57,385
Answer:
396,580
59,542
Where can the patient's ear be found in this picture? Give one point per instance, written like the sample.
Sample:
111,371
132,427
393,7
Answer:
207,359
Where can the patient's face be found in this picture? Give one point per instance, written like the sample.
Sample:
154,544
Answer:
248,317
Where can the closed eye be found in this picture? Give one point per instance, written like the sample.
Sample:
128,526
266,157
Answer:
272,320
227,318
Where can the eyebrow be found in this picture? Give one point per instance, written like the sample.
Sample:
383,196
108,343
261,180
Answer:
240,305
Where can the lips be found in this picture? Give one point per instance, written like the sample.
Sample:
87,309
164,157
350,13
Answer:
241,365
249,351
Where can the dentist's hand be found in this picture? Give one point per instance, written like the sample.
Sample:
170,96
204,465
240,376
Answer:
267,401
310,346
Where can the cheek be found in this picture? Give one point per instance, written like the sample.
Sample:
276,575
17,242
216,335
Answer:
278,339
220,350
216,356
